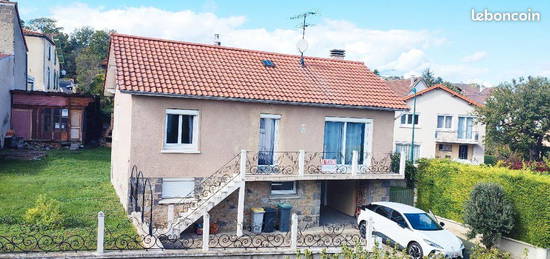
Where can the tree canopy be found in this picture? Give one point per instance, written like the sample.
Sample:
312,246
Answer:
431,79
517,116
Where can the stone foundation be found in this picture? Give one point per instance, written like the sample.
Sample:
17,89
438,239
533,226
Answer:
306,202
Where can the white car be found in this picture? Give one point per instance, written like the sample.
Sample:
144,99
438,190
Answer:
409,228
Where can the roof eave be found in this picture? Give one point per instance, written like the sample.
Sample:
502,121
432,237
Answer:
261,101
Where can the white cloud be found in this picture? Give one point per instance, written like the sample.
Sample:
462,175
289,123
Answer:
395,50
476,56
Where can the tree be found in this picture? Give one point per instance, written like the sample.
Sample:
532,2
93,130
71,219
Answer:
517,116
431,80
489,213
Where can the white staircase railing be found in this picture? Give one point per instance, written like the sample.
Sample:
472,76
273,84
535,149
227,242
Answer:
209,193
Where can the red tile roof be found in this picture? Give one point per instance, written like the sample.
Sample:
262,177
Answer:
402,87
444,88
28,32
155,66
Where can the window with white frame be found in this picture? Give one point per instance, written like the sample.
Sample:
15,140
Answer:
181,130
283,188
406,149
407,119
444,121
178,187
342,136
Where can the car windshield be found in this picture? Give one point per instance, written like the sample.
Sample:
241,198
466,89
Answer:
422,221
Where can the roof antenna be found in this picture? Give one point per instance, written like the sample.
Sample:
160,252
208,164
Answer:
302,44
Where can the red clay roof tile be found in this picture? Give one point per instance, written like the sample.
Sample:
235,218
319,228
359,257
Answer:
444,88
171,67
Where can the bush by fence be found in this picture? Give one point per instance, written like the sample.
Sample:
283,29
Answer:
444,187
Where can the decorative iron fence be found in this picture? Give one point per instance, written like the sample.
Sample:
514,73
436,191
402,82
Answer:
335,235
325,163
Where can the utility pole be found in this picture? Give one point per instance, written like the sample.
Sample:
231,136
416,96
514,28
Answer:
414,121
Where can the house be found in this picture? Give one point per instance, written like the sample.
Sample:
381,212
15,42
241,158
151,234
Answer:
43,63
51,116
444,126
403,87
13,61
475,92
200,122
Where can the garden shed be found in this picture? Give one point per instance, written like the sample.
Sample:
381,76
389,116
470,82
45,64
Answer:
46,116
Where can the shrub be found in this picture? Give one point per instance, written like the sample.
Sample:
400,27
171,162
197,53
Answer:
479,252
444,187
490,160
489,213
45,213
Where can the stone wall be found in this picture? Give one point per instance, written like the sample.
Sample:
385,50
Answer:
306,202
373,190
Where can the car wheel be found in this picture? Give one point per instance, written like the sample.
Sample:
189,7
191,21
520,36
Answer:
414,250
363,229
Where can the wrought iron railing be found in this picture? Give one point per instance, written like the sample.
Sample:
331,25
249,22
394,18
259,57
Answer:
301,163
325,163
209,186
272,163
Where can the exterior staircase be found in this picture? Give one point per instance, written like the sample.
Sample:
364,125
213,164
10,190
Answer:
210,192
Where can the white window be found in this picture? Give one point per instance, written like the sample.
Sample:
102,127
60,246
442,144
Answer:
283,188
465,127
178,187
49,78
342,136
407,119
181,131
406,148
444,122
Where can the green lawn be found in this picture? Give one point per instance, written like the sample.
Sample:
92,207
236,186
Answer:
79,180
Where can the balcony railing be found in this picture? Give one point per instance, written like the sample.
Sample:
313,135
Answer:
452,136
302,164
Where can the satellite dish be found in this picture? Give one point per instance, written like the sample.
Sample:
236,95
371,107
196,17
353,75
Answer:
302,45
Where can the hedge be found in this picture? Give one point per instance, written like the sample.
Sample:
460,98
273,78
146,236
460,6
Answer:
444,187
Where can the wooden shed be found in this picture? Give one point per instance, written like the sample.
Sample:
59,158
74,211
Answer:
48,116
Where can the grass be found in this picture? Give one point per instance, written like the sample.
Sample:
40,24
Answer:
79,180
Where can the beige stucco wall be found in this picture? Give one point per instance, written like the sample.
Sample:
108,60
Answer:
341,196
227,127
120,153
39,63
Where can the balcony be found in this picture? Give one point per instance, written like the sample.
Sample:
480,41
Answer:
451,136
302,165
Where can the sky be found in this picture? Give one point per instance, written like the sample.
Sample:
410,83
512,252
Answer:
395,37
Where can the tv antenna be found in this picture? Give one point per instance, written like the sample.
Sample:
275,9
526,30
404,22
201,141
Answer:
302,44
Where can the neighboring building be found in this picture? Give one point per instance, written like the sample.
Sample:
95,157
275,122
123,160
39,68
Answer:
58,117
475,92
445,126
183,113
66,85
403,87
13,61
43,68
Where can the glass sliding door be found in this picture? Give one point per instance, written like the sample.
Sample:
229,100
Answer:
334,133
268,131
465,127
355,140
341,139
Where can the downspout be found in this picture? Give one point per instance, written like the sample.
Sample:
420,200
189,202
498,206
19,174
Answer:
414,121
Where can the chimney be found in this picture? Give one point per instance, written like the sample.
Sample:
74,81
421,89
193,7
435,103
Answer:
337,53
217,41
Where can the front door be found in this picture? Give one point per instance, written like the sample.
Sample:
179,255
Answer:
268,139
76,121
463,152
21,121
